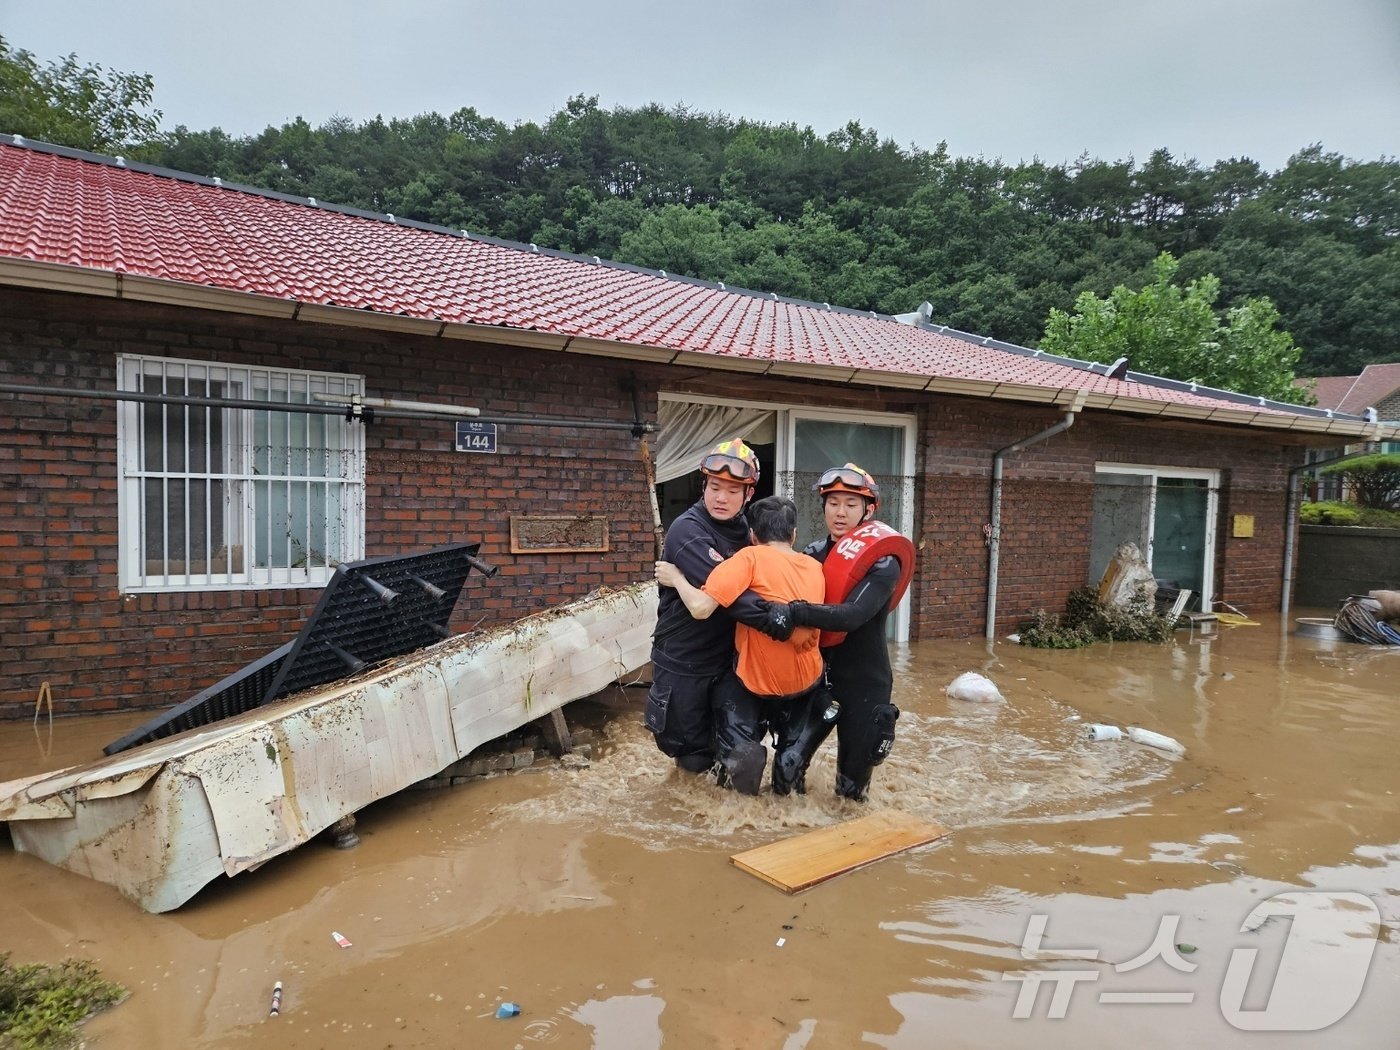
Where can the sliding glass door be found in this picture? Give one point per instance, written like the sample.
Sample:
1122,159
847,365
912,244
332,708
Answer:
795,444
1169,513
882,444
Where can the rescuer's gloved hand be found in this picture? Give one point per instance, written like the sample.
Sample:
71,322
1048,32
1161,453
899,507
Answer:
779,623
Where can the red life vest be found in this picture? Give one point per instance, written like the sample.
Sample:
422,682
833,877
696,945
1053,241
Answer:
851,558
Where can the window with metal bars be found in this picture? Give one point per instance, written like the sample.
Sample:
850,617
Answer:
216,497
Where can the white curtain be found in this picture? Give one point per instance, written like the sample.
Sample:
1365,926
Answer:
689,430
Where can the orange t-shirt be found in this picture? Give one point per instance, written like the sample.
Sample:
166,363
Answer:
766,667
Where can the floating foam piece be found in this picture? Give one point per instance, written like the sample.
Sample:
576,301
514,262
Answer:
1157,740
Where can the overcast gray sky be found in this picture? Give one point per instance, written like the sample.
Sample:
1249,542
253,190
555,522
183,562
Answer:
1013,79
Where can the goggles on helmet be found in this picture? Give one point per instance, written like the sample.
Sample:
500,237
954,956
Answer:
733,458
849,478
716,464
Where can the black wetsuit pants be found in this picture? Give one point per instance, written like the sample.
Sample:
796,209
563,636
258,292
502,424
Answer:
680,715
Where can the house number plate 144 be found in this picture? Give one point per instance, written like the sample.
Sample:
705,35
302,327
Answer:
476,437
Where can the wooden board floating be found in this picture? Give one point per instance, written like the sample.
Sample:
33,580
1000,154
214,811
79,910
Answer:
801,862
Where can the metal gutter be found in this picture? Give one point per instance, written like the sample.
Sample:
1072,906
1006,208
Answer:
994,538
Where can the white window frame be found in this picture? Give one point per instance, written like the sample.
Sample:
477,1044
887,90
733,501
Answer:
1212,479
786,440
240,477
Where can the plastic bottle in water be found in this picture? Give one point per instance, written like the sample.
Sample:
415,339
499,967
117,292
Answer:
1096,731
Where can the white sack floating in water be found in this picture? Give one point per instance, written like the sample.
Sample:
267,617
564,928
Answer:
1097,731
974,688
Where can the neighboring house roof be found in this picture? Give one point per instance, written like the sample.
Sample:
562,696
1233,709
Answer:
84,223
1354,394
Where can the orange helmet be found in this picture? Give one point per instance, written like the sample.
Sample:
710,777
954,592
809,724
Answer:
849,478
732,460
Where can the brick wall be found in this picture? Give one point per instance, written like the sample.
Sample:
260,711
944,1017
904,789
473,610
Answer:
1047,507
63,619
1388,408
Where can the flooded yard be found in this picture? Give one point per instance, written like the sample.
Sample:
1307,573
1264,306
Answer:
602,900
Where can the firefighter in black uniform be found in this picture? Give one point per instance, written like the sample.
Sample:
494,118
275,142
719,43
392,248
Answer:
690,657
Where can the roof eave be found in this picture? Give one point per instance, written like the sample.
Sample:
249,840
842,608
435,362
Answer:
56,277
81,280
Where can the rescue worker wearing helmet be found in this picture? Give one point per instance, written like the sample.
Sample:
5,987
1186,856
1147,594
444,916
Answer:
859,666
691,657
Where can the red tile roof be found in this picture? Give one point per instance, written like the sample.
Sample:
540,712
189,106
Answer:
1329,390
1355,394
77,210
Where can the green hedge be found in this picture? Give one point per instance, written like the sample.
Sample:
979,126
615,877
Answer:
1337,512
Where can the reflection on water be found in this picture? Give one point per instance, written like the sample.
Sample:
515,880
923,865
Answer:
628,1022
602,900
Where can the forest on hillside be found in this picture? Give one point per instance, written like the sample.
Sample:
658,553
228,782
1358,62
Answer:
854,220
1301,266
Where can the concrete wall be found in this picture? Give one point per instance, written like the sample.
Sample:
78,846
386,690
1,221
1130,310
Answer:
1335,561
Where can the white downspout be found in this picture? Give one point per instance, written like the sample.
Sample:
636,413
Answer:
994,539
1290,532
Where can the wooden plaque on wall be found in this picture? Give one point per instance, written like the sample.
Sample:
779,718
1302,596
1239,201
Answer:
557,533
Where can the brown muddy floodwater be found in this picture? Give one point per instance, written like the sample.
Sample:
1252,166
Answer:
602,900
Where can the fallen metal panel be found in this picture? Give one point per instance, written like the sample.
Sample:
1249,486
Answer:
370,611
15,803
241,691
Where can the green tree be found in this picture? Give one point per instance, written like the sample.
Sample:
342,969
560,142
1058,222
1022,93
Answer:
685,241
763,260
69,104
600,226
1167,330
